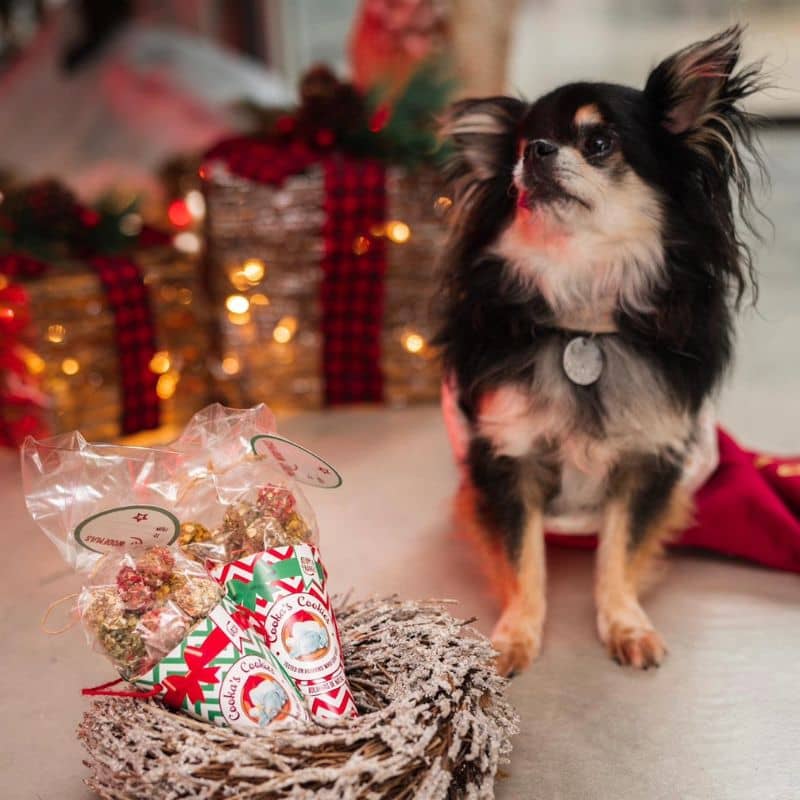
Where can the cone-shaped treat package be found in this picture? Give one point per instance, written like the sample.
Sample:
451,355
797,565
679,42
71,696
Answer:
220,672
260,543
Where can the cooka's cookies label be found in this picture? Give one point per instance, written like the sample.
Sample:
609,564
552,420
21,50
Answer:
282,591
300,632
256,692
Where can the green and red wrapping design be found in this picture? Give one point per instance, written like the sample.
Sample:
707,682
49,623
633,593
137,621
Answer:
223,674
283,593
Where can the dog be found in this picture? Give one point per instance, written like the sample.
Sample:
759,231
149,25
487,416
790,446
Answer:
585,317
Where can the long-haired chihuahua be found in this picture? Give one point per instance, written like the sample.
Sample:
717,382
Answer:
586,317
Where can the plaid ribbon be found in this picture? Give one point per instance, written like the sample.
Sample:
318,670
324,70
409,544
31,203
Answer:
352,291
129,301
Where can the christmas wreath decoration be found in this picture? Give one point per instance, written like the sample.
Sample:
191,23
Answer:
434,724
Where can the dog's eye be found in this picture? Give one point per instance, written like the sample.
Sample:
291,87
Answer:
598,143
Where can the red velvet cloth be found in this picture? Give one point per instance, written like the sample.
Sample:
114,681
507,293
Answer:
749,508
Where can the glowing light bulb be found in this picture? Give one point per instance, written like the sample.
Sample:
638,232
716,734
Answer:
178,213
70,366
231,364
187,242
239,319
167,383
34,362
361,245
237,304
160,362
253,270
442,204
56,333
259,300
285,330
195,203
413,342
398,231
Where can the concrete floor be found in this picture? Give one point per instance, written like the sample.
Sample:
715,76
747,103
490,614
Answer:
719,721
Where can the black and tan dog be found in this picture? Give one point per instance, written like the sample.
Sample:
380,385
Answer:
586,317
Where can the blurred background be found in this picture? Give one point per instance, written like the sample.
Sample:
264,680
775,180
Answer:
194,209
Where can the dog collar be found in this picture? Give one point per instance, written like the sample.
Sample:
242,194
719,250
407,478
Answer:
587,323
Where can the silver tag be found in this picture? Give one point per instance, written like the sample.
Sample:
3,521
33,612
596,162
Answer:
583,360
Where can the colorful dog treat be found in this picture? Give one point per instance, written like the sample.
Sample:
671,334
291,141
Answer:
141,604
249,527
282,591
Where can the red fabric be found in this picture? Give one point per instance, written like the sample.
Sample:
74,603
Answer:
749,508
135,335
352,291
21,399
353,285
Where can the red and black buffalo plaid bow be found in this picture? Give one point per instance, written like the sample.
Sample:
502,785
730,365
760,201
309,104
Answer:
352,291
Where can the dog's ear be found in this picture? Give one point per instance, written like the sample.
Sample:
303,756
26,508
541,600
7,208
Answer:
696,94
696,91
482,133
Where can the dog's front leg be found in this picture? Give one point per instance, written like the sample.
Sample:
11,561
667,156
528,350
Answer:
517,635
638,521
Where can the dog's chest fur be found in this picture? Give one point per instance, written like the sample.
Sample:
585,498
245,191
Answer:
581,433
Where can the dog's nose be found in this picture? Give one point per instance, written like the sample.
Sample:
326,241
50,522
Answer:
540,149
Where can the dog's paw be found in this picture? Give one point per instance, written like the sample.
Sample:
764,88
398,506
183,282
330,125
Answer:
635,646
518,640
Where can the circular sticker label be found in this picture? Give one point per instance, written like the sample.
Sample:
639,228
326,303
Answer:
296,461
254,694
300,633
127,526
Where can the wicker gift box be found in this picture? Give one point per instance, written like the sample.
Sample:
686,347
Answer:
70,347
271,287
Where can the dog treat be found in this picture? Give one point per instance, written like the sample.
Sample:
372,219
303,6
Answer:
248,528
141,604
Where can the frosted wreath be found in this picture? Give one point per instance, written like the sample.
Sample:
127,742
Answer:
434,724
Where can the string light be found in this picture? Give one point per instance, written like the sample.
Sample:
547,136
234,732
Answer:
178,213
34,362
160,362
7,313
185,296
239,319
361,245
237,304
3,282
259,300
285,330
398,231
413,342
195,203
70,366
187,242
253,270
231,364
442,204
56,333
167,383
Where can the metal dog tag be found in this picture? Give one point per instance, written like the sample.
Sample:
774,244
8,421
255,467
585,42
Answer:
583,360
